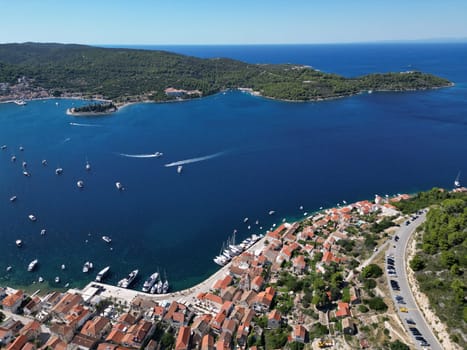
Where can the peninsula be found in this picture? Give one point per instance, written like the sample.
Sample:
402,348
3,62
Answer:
41,70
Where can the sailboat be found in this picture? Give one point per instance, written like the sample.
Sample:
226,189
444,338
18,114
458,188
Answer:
456,181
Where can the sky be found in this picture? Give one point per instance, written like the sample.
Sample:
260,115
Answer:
206,22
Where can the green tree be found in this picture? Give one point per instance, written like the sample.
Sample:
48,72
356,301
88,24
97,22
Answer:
398,345
372,270
417,263
377,304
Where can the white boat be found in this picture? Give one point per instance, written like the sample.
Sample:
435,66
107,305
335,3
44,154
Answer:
106,239
44,162
21,148
158,154
40,279
126,282
165,287
150,282
13,158
32,265
271,212
57,279
43,232
3,147
25,173
119,186
80,184
157,288
87,266
20,102
457,181
19,243
102,273
67,285
179,169
32,217
58,171
301,207
88,166
12,198
63,267
24,164
8,268
245,220
370,92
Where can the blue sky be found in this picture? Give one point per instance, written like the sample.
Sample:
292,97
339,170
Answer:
230,22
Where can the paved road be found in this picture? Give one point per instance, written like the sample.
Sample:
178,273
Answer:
399,251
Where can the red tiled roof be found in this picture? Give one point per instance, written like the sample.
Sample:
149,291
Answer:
183,338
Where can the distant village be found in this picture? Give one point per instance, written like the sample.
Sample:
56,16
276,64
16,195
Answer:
301,287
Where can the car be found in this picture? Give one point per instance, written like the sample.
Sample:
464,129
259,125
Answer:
420,338
403,309
407,223
409,321
399,297
396,238
424,343
401,302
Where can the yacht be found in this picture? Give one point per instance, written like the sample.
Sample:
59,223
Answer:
13,158
12,198
88,166
44,162
32,265
25,173
59,171
271,212
119,186
19,243
179,169
102,273
32,217
150,282
80,184
87,266
245,220
106,239
8,268
165,287
20,102
63,267
457,181
157,288
126,282
43,232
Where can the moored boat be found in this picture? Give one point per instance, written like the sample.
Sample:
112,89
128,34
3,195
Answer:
12,198
59,171
80,183
126,282
179,169
88,166
102,273
119,186
150,282
87,266
32,217
57,279
19,243
107,239
32,265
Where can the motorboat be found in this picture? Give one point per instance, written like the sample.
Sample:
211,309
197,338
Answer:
102,273
150,282
32,265
19,243
13,158
87,266
107,239
245,220
21,148
25,173
119,186
271,212
12,198
126,282
63,267
24,164
40,279
457,182
44,162
158,154
9,268
179,169
80,184
165,287
88,166
3,147
59,171
32,217
57,279
43,232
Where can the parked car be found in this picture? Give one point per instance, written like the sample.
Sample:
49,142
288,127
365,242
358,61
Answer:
403,309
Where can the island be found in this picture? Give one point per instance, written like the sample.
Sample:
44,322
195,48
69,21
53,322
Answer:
93,109
122,76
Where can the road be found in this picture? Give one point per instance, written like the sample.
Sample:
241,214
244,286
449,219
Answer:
399,251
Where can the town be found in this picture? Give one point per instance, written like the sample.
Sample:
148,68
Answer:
315,283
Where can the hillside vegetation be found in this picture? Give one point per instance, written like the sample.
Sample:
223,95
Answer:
128,74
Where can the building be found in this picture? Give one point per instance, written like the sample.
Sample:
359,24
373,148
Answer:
299,334
183,338
13,301
274,319
348,327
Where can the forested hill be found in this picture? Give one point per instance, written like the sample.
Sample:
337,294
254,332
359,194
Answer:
128,74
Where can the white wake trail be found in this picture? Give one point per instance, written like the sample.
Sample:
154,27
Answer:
150,155
84,125
194,160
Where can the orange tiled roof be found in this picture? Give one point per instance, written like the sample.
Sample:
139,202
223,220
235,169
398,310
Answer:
12,299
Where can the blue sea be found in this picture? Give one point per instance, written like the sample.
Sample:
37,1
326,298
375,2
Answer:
261,155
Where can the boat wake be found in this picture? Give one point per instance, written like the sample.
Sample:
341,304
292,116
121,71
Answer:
194,160
84,125
150,155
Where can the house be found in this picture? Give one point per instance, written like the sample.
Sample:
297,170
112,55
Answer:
299,334
66,303
18,343
54,343
264,299
183,338
32,306
13,301
257,283
97,327
77,316
32,330
224,342
217,321
274,319
82,342
342,310
223,283
348,327
248,298
207,343
200,327
229,326
13,326
354,295
6,336
299,264
63,331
